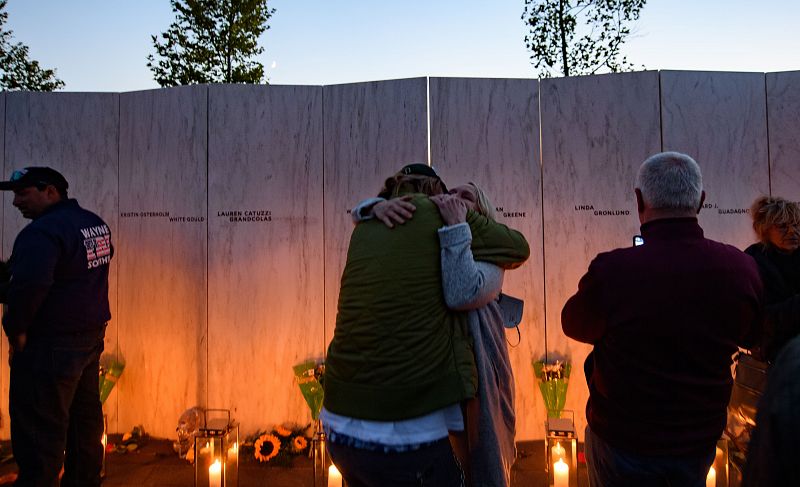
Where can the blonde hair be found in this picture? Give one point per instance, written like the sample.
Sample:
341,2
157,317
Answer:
482,203
769,211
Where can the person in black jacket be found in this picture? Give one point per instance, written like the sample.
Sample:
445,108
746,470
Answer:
776,222
55,322
771,461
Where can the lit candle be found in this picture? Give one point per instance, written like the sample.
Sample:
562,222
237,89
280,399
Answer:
204,450
711,479
215,474
557,452
560,474
233,453
334,477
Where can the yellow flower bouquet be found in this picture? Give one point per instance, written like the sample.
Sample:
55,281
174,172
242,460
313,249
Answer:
278,446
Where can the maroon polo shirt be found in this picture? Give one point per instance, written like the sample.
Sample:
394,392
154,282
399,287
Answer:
665,319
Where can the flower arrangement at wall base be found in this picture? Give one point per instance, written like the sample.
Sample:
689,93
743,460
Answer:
309,376
132,440
279,446
552,375
111,367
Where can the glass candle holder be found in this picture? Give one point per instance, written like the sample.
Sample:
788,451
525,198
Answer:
216,451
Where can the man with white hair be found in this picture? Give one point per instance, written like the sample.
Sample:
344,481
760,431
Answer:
664,318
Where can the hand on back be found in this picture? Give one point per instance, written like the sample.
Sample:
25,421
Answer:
394,211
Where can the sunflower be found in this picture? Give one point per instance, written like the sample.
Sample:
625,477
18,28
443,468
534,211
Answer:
299,444
266,447
283,431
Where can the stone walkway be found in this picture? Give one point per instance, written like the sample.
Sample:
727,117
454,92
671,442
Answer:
157,465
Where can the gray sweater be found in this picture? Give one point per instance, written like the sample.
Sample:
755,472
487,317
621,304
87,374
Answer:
475,286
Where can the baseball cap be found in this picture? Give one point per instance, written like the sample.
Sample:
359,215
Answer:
34,176
420,169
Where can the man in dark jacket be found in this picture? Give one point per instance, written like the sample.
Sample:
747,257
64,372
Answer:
55,322
664,318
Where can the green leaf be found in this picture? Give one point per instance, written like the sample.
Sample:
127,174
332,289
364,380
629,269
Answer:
17,70
211,41
553,25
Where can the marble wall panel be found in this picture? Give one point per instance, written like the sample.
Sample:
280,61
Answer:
596,131
77,134
265,249
487,131
371,131
162,256
720,119
783,108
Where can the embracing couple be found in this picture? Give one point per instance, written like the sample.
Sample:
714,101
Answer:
418,385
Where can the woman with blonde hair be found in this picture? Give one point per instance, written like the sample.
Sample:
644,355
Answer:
776,222
474,286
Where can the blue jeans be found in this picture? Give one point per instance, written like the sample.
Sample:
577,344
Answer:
54,403
612,467
432,465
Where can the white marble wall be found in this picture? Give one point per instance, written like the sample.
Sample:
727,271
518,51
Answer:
265,277
783,105
214,311
720,119
77,134
371,131
487,131
161,249
596,131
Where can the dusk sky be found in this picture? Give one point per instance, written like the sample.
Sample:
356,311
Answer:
102,45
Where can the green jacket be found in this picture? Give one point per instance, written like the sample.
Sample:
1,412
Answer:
398,352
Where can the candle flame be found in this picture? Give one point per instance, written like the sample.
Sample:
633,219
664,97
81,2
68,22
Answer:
711,478
334,477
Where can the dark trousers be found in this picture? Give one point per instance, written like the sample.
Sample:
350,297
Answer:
430,466
54,404
612,467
